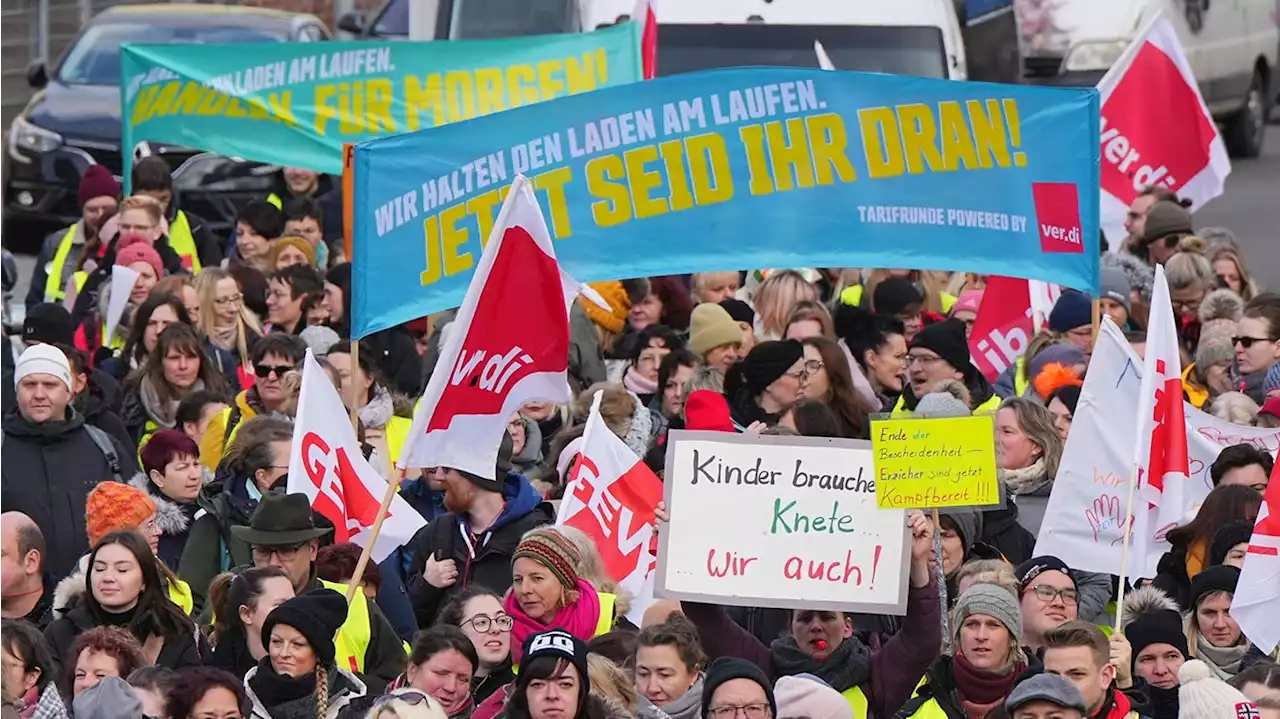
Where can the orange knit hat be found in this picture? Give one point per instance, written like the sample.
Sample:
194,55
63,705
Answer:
112,507
615,293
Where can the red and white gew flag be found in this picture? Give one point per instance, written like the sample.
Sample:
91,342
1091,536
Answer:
508,346
645,14
1256,603
326,464
1156,129
1161,455
611,497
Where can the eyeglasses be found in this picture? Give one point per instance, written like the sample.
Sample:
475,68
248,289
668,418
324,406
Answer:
224,301
926,360
1247,342
286,553
1046,594
799,375
751,711
812,366
412,697
1185,306
482,623
265,370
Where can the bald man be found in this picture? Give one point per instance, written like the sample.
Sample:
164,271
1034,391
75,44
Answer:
23,581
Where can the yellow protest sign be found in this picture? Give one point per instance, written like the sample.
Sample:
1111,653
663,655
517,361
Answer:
935,463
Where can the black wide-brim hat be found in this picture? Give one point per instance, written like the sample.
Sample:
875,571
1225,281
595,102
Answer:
280,519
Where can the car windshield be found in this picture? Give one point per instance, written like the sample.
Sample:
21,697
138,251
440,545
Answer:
915,51
95,59
513,18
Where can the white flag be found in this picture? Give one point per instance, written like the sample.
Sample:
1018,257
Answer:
1256,603
326,464
123,278
824,60
508,346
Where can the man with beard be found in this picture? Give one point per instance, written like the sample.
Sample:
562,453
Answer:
473,542
63,251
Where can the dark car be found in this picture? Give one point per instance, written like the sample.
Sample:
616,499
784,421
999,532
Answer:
458,19
74,120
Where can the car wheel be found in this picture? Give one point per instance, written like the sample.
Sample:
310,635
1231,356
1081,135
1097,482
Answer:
1246,130
23,237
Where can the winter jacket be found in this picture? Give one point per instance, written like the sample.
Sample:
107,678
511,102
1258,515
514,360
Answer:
177,652
348,697
586,361
172,517
386,655
489,564
530,456
100,405
48,250
1001,529
48,471
1171,576
897,662
227,362
982,396
87,299
210,549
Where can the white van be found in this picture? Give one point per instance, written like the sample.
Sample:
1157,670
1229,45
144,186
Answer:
908,37
1230,44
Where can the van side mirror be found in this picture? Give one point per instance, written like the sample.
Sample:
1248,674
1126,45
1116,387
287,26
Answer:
352,22
37,75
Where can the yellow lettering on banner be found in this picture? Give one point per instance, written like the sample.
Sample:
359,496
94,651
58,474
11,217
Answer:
709,168
789,153
452,237
580,73
324,111
606,179
919,139
420,97
677,174
160,106
988,133
881,142
435,269
489,97
257,109
378,101
281,104
553,182
520,87
234,109
460,96
757,166
935,463
550,78
643,181
189,99
351,108
829,143
957,142
482,207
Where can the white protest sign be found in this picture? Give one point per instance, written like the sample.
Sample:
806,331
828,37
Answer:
779,522
123,279
1084,521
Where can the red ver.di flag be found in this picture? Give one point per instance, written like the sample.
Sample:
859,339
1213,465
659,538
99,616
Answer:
326,464
1012,311
611,497
1156,129
1257,599
1163,466
508,346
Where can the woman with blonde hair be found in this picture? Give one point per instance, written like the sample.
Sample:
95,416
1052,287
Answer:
1229,266
230,328
775,299
935,299
1028,450
1191,279
809,319
608,681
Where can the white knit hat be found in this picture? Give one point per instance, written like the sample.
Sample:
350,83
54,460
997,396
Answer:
43,359
1201,695
805,696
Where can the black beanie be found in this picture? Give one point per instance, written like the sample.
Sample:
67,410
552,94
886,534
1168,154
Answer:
1229,535
947,339
727,668
762,367
317,615
49,323
740,311
1156,626
894,295
560,644
1222,578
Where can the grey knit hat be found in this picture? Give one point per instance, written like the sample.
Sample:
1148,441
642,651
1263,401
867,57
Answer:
1114,284
993,601
1046,687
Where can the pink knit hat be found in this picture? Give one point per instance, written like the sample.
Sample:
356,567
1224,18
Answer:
133,248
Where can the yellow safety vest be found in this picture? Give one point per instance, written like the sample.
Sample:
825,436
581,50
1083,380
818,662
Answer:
53,288
180,594
182,242
352,640
852,295
989,407
1020,380
857,700
397,431
274,199
929,710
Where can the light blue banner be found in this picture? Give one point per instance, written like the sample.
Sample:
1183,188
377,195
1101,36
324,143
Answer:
297,103
738,169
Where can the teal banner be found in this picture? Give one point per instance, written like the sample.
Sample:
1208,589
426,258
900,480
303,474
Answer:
295,104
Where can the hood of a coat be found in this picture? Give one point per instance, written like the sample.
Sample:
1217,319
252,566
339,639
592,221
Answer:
49,432
170,515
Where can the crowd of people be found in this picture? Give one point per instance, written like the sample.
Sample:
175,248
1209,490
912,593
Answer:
154,564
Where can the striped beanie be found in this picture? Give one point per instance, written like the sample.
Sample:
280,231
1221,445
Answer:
550,548
114,507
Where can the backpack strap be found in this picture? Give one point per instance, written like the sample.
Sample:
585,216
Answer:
233,419
108,449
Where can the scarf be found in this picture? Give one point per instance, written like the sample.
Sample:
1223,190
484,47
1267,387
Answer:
224,337
232,653
1164,702
160,411
50,705
377,412
848,666
1027,480
981,687
638,383
687,706
579,619
275,689
1224,661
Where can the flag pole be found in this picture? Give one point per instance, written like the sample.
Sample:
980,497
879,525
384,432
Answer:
367,551
1097,318
353,395
1124,547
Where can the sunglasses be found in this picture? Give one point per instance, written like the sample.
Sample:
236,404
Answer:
412,697
1247,342
265,370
